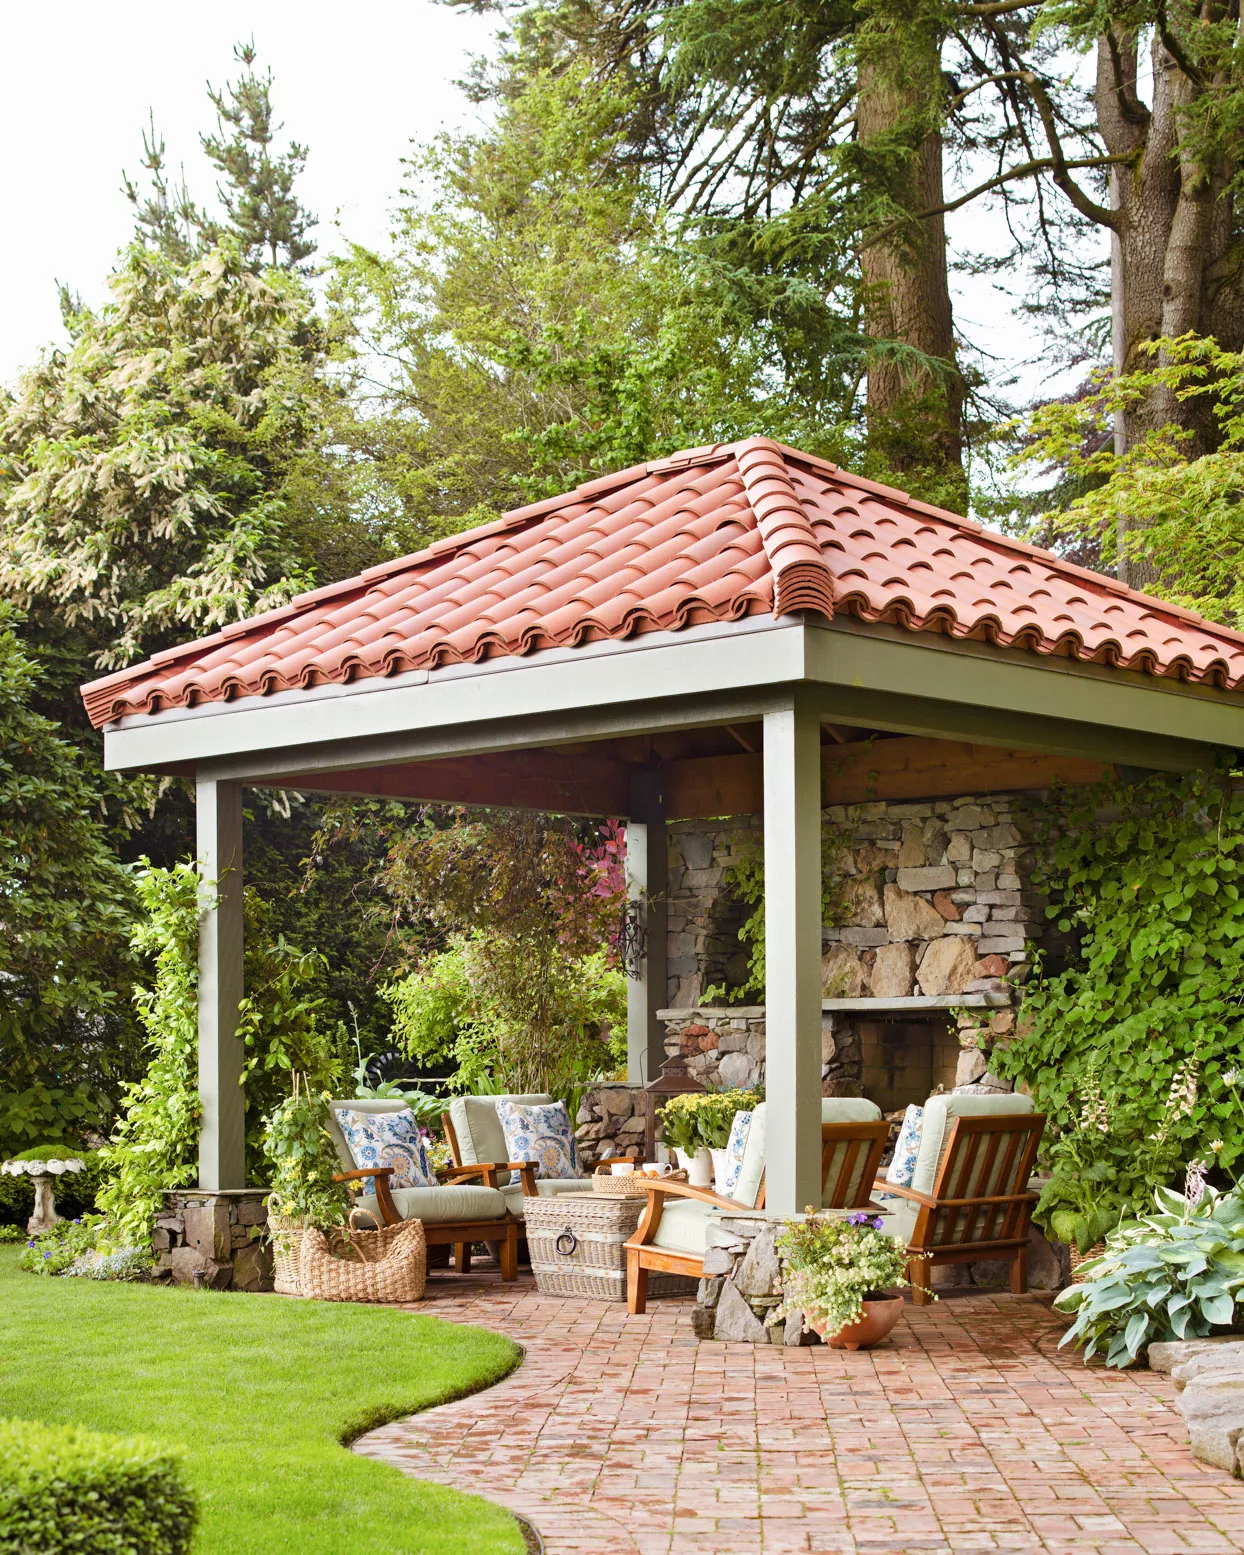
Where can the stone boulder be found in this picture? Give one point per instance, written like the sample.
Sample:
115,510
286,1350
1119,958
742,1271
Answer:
842,973
908,916
947,966
893,971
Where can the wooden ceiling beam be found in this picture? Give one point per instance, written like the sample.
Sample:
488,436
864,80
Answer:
523,780
698,787
898,769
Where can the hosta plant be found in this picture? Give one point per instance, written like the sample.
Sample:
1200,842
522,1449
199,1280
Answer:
1172,1274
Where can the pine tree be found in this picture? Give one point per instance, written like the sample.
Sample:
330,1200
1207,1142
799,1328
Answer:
264,213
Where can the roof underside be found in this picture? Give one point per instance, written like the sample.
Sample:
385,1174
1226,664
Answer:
713,534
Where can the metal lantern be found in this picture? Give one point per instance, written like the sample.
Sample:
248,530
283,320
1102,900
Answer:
672,1081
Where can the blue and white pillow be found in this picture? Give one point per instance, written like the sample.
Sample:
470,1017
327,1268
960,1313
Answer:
387,1139
540,1133
902,1167
736,1145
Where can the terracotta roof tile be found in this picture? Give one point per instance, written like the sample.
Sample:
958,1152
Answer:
710,534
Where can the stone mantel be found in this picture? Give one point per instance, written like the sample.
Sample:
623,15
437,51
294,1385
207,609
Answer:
914,1004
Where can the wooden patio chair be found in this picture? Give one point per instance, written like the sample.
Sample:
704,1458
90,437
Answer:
470,1208
670,1235
476,1139
969,1198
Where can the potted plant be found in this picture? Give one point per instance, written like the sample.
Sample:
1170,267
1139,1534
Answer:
303,1161
680,1128
844,1275
715,1118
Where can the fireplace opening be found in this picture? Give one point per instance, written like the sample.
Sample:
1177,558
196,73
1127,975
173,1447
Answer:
905,1061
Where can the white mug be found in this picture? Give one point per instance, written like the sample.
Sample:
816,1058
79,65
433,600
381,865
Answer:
622,1168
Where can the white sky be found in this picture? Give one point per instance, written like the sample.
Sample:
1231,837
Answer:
354,82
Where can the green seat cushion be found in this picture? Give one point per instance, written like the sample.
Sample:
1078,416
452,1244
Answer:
481,1138
900,1221
939,1113
682,1227
452,1201
546,1188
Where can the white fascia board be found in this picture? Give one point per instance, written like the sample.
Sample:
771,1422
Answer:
888,660
757,652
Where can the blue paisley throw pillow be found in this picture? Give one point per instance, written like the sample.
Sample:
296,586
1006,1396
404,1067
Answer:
903,1166
387,1139
541,1134
735,1147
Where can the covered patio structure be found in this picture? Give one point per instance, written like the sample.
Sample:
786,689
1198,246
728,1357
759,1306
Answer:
732,629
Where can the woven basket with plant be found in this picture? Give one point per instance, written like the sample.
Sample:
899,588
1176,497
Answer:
302,1161
390,1264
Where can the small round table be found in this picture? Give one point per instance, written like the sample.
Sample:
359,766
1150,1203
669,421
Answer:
43,1174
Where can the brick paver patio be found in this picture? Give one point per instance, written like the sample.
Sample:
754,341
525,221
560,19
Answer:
968,1431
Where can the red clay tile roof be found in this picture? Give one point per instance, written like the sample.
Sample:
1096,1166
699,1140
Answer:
712,534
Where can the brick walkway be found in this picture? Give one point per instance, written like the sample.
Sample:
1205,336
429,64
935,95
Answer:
967,1432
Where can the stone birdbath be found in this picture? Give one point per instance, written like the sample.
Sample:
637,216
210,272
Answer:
43,1174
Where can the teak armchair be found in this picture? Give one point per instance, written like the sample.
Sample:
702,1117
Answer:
850,1155
979,1206
466,1206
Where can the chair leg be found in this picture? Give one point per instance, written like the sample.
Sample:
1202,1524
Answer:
636,1283
919,1271
508,1254
462,1257
1019,1272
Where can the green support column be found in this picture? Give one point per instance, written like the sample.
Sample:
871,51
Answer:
222,1131
647,882
792,768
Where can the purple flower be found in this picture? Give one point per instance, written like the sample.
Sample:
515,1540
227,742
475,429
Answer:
860,1218
878,1224
78,1222
47,1255
31,1243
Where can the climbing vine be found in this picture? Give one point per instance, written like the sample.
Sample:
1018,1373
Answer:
1144,886
745,879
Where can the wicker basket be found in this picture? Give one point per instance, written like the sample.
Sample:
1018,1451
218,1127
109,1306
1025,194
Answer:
286,1253
1078,1258
629,1185
577,1243
386,1265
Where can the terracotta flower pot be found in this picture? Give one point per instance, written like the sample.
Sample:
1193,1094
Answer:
878,1318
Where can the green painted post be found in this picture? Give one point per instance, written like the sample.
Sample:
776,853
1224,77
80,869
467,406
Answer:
222,1130
792,792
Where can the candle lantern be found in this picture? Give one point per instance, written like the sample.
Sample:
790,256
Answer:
673,1080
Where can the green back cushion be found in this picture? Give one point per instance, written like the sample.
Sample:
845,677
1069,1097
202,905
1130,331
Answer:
360,1104
847,1109
939,1112
834,1109
481,1138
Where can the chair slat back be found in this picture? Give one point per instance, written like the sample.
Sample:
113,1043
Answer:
989,1158
850,1159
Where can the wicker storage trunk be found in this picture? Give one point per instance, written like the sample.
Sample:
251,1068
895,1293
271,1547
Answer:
577,1243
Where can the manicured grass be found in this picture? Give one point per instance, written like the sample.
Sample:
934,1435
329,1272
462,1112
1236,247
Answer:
260,1391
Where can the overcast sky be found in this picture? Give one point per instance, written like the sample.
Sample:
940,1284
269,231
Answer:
354,82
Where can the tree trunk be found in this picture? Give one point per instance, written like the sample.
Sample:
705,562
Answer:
1173,250
915,410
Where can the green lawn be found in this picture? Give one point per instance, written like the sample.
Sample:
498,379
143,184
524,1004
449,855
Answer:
260,1391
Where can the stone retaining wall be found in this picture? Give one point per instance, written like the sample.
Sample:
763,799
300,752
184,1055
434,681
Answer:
610,1122
222,1236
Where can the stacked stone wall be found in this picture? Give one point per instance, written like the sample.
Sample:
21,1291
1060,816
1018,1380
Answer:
221,1237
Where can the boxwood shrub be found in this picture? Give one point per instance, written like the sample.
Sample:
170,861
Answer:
63,1489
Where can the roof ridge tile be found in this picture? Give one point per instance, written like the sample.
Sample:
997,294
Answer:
801,576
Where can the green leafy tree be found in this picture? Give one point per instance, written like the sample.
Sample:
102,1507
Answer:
1161,503
65,904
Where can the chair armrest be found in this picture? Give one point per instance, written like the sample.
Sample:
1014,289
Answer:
462,1173
683,1190
618,1160
880,1185
365,1171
